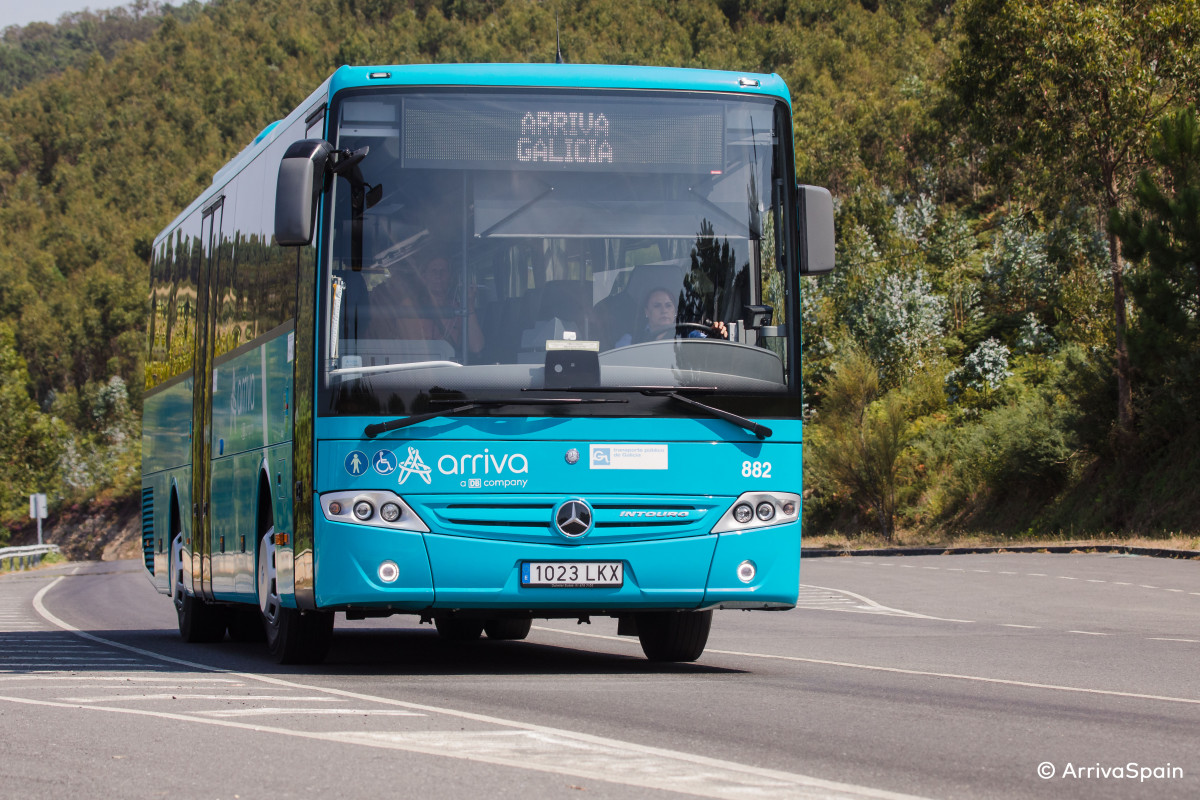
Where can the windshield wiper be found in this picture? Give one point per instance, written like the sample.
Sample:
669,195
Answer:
374,429
673,392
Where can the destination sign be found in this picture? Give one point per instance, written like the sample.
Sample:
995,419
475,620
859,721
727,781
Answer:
530,132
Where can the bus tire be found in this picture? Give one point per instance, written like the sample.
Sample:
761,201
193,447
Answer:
199,622
300,637
507,629
293,636
454,629
674,635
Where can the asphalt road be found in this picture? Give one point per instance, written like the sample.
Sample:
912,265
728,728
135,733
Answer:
938,676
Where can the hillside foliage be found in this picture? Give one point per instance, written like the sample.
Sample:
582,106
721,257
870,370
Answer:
961,365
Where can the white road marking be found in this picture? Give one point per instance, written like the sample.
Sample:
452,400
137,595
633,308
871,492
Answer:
867,605
597,757
1167,639
1090,633
126,662
125,679
1014,625
913,672
182,696
561,752
356,712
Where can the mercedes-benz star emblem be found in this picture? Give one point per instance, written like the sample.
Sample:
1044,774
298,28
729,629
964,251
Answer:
572,456
573,518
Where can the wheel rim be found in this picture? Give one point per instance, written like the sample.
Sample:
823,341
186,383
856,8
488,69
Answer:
177,571
268,588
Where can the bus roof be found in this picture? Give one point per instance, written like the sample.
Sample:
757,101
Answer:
560,76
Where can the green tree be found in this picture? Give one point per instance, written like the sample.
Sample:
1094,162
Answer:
31,440
1064,95
859,438
1162,231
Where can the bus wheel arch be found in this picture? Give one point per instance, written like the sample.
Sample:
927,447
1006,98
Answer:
293,636
198,621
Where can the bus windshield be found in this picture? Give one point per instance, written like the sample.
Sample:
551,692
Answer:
482,243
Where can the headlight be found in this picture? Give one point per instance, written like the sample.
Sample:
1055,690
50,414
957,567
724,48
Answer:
359,508
758,510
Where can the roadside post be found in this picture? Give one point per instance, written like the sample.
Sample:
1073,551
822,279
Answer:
37,510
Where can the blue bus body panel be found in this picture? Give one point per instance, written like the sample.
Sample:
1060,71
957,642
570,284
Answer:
488,487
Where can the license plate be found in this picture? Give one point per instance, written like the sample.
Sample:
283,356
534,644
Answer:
572,574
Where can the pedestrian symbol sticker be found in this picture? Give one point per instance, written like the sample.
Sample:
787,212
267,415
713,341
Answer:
414,464
384,462
356,462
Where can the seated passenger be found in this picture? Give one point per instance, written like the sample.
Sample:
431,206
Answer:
661,323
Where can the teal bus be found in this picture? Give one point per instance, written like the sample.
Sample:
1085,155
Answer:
484,344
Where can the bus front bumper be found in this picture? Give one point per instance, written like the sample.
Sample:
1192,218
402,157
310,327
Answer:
434,571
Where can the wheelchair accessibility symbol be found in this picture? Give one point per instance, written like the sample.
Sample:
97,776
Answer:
384,462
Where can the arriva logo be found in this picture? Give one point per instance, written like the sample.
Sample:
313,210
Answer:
483,464
655,513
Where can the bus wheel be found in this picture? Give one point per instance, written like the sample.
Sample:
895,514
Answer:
674,635
293,636
453,629
511,629
198,621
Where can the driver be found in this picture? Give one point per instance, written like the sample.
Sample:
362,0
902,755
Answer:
659,313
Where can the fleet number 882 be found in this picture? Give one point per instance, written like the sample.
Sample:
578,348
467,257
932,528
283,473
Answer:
756,469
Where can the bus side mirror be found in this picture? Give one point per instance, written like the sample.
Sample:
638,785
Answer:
814,207
301,180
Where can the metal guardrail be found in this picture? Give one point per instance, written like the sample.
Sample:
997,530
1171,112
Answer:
26,556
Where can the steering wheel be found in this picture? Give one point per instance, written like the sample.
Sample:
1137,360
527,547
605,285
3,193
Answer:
710,331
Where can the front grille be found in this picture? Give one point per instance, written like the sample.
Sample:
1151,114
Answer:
498,515
532,518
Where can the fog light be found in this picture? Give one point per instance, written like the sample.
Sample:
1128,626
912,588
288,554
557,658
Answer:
389,572
765,511
747,571
335,508
390,512
789,508
363,510
743,513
